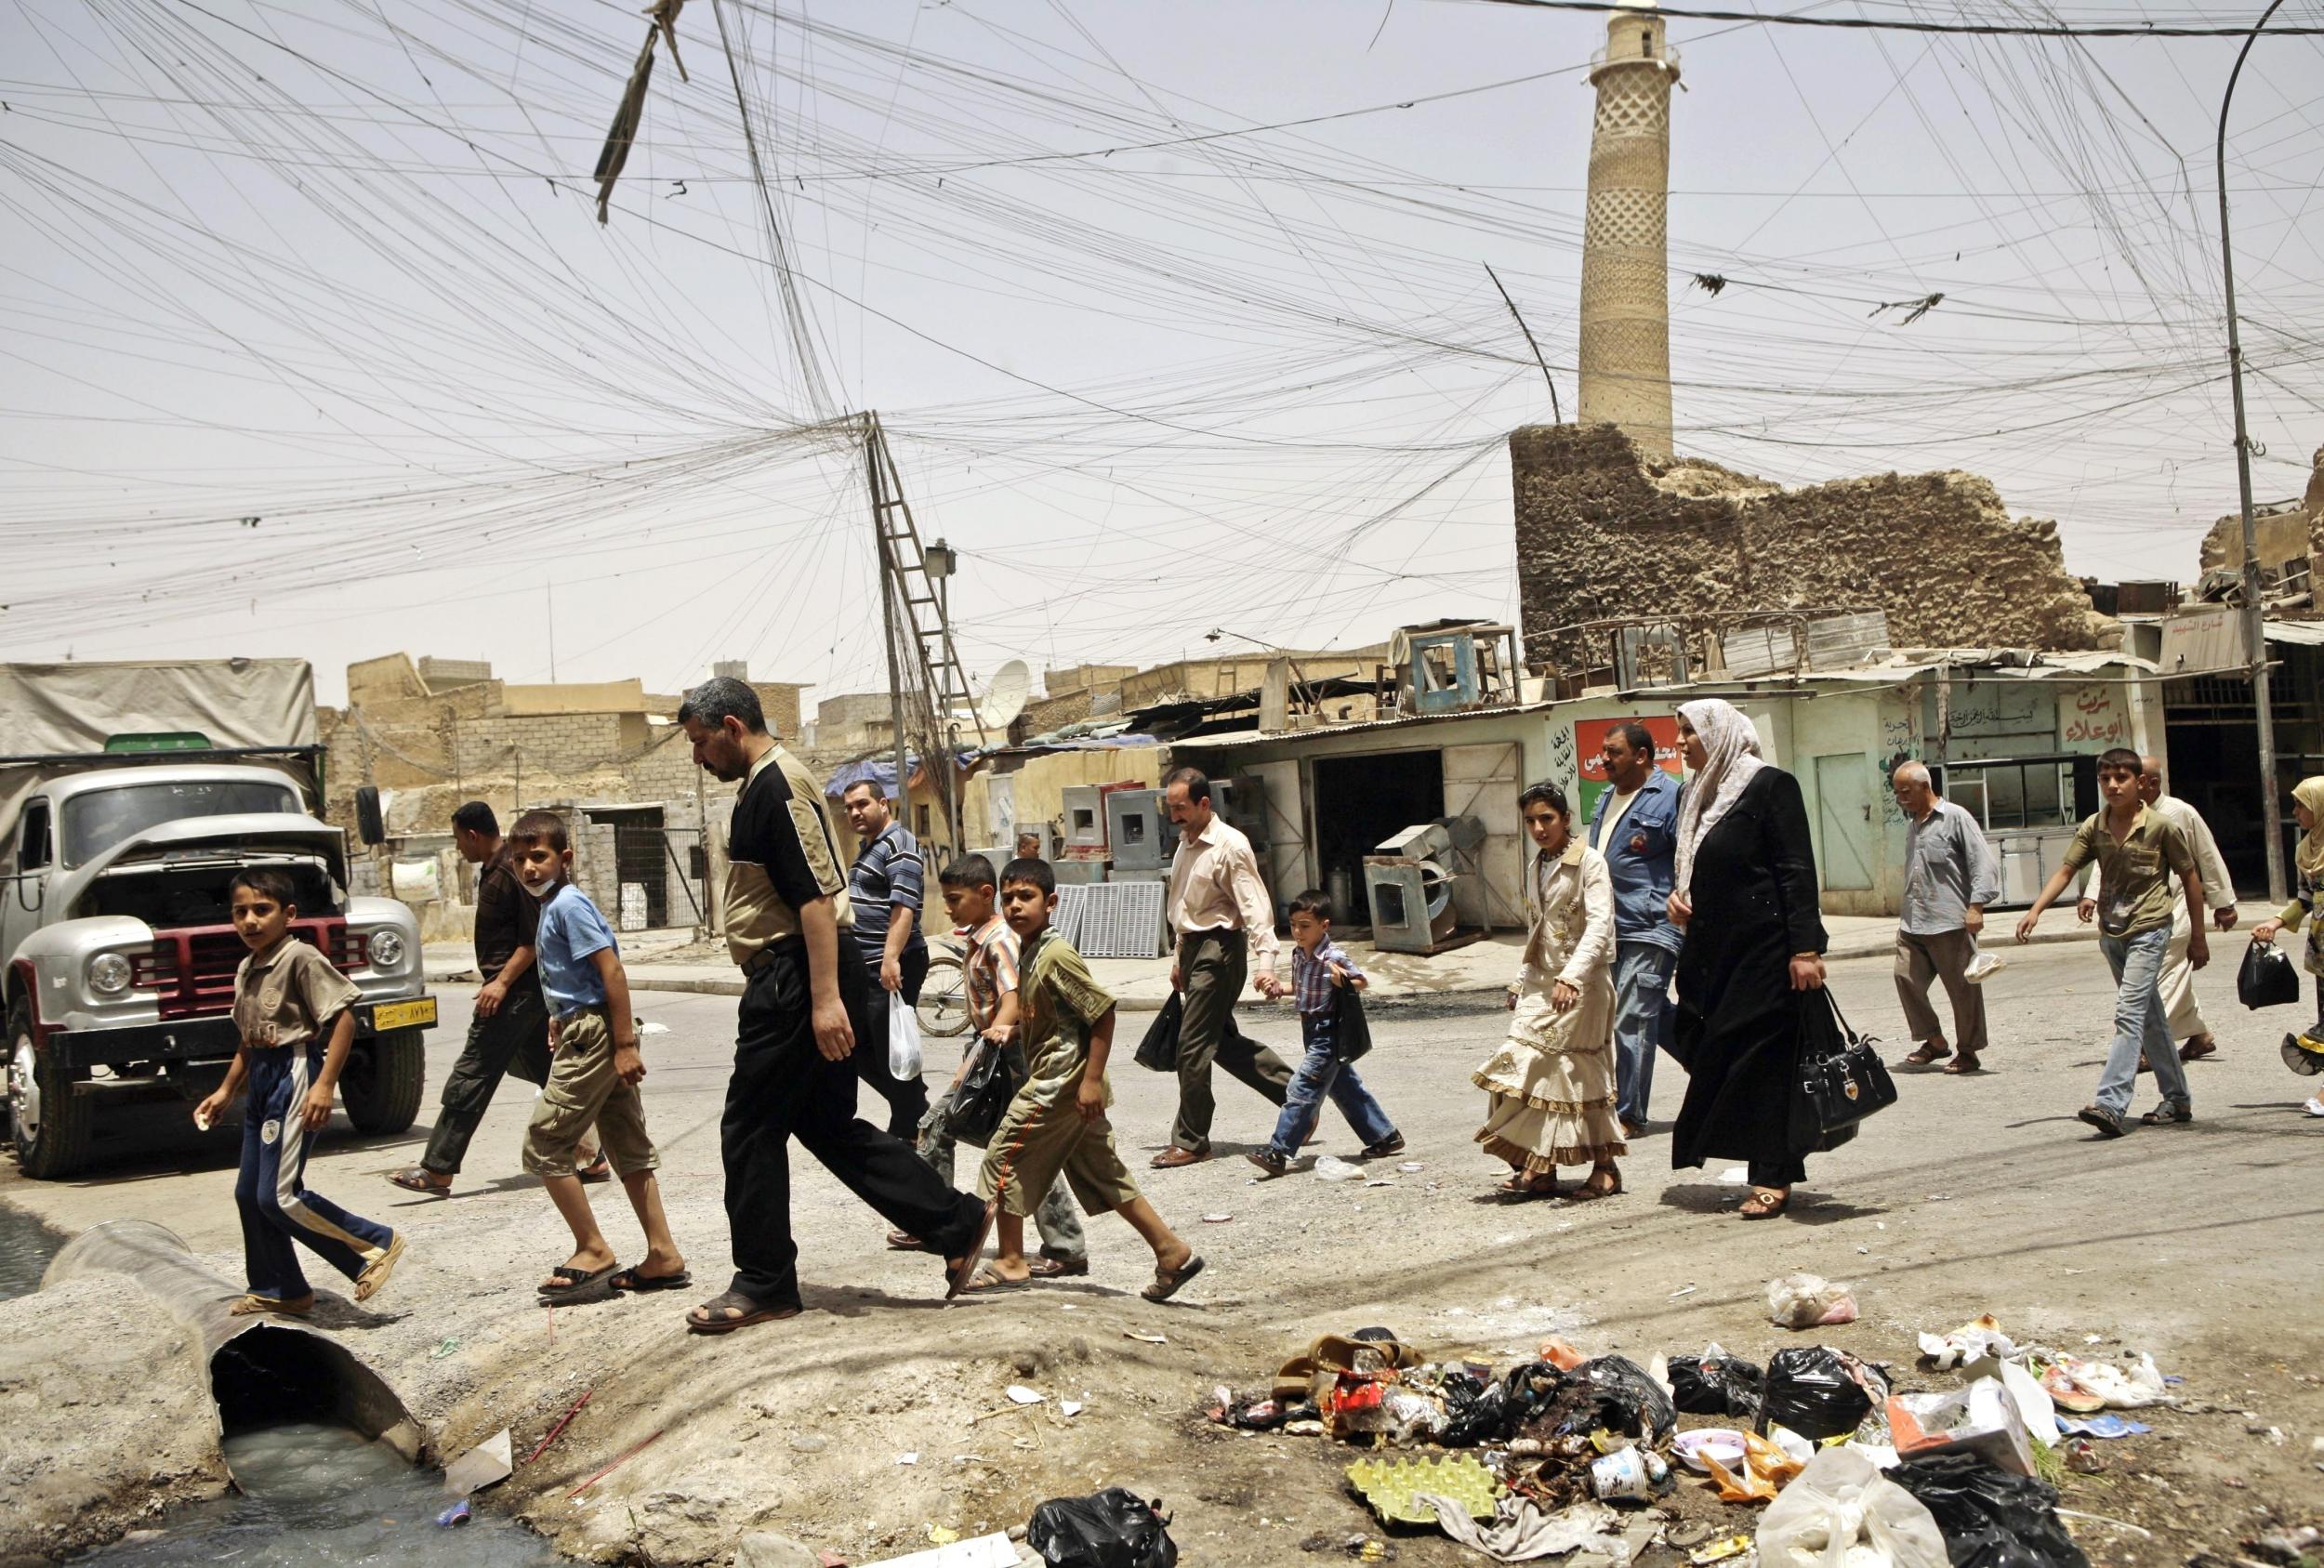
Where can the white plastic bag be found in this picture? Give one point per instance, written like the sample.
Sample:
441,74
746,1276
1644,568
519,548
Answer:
904,1038
1808,1301
1842,1514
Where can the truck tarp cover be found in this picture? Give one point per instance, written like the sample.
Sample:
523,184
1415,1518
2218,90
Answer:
71,710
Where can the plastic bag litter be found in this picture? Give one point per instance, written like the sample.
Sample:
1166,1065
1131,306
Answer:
1715,1383
1820,1393
1809,1301
1330,1168
1765,1467
1843,1512
1990,1518
1114,1528
1977,1338
1644,1410
2074,1383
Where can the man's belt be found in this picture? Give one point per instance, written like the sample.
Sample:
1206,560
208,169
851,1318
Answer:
1227,935
767,955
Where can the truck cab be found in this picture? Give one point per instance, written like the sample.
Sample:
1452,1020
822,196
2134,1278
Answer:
119,955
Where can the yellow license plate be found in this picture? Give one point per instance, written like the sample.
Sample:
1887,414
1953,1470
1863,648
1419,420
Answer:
404,1015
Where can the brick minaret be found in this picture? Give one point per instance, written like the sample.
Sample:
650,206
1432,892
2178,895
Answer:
1625,285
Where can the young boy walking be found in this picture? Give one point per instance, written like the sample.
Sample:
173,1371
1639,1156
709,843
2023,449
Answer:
1056,1124
2140,854
1319,968
593,1074
990,970
294,1014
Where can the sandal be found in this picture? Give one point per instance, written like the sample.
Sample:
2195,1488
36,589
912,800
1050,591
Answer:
1964,1064
576,1281
1525,1189
419,1179
629,1279
596,1170
956,1274
1590,1191
1929,1055
987,1280
744,1311
1047,1267
2198,1048
1765,1203
294,1306
903,1241
1166,1281
373,1279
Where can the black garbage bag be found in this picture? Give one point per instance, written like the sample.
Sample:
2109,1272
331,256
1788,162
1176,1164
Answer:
1989,1518
1114,1528
1708,1385
1820,1393
2267,977
1478,1411
1628,1393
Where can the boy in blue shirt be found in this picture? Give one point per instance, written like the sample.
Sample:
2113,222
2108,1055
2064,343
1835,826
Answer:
1319,968
593,1073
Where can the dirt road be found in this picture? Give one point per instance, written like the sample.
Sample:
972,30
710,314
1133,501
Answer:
881,1412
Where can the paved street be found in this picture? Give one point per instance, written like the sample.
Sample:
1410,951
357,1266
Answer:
1971,1196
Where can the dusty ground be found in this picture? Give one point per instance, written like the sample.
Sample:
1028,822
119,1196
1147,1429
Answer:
1983,1194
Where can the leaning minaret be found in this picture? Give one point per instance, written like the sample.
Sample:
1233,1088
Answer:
1625,286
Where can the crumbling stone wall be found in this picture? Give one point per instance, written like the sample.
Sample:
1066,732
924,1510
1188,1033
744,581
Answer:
2223,547
1604,533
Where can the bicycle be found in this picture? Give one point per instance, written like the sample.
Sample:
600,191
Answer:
943,1010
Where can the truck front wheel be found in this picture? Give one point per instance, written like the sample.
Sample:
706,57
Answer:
52,1125
384,1080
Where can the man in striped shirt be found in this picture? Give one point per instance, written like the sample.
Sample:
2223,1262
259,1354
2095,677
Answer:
884,888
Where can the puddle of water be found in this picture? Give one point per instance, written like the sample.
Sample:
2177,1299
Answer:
26,1245
320,1495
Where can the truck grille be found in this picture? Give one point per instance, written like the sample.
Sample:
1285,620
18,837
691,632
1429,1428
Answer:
193,968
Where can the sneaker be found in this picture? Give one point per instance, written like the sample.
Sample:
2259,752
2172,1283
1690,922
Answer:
1274,1165
2107,1122
1392,1144
2168,1112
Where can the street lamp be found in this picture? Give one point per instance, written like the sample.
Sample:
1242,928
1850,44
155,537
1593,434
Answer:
942,560
2254,614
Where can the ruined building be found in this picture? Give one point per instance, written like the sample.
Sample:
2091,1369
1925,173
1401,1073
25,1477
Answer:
1625,357
1606,532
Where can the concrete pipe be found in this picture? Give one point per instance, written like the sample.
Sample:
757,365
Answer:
262,1369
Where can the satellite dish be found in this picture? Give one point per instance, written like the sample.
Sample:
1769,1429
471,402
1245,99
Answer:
1005,696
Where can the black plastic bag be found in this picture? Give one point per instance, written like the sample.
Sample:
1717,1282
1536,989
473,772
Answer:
1627,1391
1350,1031
1480,1412
1820,1393
2267,977
1708,1385
1114,1528
1989,1518
1159,1051
991,1082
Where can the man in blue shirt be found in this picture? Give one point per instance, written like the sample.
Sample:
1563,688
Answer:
1635,827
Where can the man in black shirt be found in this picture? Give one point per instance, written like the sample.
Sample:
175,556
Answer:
805,1011
509,1032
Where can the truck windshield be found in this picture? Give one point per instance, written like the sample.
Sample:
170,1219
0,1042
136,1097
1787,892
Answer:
97,821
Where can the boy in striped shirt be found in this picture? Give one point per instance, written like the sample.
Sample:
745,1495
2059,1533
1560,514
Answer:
1318,968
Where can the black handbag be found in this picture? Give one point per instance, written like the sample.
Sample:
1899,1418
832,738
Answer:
2267,977
1842,1077
1350,1031
1159,1051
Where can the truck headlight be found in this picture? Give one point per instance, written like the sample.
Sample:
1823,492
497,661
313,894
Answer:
386,949
108,974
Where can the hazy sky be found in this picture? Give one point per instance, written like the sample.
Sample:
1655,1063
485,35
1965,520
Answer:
333,264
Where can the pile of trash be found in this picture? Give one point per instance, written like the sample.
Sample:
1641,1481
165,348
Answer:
1564,1455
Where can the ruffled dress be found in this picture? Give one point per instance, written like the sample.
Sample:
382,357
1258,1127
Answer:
1551,1081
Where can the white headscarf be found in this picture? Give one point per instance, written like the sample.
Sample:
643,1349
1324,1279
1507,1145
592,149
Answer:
1731,758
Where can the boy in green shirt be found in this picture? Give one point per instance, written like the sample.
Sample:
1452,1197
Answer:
1057,1123
2139,856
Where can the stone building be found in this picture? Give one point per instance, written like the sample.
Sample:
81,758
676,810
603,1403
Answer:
1606,532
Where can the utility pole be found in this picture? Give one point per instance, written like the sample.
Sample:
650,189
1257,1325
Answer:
876,480
2254,611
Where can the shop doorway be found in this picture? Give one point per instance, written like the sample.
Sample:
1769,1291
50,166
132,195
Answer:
1361,800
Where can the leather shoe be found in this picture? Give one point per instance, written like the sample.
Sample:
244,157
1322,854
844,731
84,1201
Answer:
1174,1156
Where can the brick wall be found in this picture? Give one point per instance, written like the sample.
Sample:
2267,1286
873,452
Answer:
1604,534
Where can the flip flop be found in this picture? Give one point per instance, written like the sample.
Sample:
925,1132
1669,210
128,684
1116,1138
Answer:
956,1276
1925,1056
987,1280
629,1279
295,1307
373,1279
415,1180
747,1311
576,1281
1166,1281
